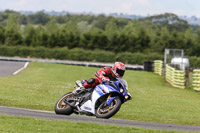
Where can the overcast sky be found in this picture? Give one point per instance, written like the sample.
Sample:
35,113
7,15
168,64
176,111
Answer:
137,7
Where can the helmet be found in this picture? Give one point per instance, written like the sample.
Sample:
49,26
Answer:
118,69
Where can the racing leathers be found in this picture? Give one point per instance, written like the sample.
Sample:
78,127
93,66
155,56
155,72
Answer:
104,74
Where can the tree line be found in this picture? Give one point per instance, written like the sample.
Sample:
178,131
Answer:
147,35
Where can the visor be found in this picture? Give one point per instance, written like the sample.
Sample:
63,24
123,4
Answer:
120,72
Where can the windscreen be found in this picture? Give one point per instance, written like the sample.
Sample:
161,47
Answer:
123,82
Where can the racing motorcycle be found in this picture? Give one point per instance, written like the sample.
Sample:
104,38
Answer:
103,101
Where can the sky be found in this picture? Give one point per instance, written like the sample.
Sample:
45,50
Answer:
136,7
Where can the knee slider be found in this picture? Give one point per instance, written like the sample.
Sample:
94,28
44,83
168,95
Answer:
91,81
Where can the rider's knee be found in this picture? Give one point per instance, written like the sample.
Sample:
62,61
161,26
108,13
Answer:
91,81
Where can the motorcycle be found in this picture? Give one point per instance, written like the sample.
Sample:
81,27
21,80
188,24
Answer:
103,101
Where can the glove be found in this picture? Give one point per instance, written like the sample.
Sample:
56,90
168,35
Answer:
105,80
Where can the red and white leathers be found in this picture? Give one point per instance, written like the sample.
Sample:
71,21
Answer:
106,74
103,74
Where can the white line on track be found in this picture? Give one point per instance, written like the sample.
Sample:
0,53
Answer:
25,66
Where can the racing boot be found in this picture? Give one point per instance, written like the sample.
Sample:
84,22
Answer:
78,88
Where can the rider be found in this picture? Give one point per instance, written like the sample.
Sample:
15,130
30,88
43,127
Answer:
105,74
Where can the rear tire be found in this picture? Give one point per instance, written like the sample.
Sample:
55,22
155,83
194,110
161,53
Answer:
108,111
61,107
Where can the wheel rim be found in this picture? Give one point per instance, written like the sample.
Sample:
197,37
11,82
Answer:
61,104
102,110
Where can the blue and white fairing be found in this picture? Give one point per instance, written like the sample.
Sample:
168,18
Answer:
119,87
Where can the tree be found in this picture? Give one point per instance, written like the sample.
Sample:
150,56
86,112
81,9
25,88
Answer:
23,20
94,39
132,27
62,41
160,40
71,33
84,26
171,21
42,36
38,18
2,35
31,36
52,26
143,40
52,29
12,34
61,19
196,49
123,42
111,28
189,38
101,22
111,31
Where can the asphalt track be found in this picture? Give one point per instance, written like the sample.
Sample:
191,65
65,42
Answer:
8,68
47,115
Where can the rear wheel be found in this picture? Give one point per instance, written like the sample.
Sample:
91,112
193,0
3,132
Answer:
107,111
61,107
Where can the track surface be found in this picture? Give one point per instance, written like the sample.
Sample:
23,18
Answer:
77,118
9,67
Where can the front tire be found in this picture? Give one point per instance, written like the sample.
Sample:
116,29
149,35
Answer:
63,108
106,111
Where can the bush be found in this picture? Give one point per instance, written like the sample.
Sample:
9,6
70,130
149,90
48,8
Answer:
79,54
137,58
58,53
194,62
103,56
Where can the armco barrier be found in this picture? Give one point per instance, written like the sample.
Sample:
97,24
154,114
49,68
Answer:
158,65
77,63
175,77
196,79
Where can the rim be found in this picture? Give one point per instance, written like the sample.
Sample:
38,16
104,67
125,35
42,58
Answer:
102,110
61,104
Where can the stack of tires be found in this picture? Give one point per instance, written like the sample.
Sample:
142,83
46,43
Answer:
196,80
149,66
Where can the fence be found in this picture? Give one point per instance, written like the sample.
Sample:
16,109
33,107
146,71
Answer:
158,65
196,80
175,77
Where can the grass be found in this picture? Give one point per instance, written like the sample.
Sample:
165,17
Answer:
10,124
42,84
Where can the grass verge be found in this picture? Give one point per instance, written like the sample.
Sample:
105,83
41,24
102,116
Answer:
11,124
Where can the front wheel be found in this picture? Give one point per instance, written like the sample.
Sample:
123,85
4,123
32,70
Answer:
107,111
61,107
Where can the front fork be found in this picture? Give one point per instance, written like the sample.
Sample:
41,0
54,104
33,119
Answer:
109,100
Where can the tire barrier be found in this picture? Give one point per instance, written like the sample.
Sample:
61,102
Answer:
149,66
196,80
158,65
175,77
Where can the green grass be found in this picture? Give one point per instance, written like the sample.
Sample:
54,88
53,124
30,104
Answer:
42,84
10,124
